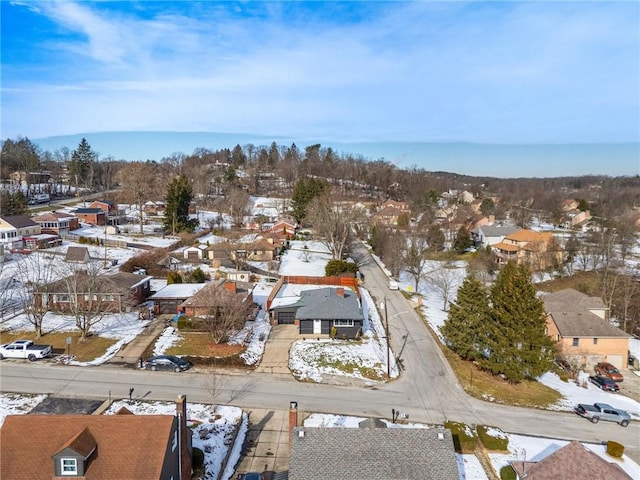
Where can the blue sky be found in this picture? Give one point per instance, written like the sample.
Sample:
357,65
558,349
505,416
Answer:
488,72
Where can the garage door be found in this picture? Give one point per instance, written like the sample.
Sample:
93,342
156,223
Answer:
193,255
286,318
615,360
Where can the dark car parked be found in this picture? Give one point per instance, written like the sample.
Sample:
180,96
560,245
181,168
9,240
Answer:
167,362
607,370
604,383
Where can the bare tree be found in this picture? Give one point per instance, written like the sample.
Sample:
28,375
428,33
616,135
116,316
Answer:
31,273
224,311
446,281
237,201
414,258
333,224
394,245
138,186
214,385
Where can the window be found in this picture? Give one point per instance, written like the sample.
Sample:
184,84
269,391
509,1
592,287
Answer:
69,466
343,323
61,298
576,342
595,340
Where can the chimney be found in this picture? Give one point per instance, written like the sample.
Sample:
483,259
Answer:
293,419
184,438
340,292
230,286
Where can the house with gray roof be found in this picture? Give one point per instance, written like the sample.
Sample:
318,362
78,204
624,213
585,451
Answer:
581,327
372,454
317,311
491,234
13,229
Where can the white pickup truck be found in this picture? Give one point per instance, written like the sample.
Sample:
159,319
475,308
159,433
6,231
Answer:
24,349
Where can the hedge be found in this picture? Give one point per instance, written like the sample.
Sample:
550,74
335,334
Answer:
465,439
492,438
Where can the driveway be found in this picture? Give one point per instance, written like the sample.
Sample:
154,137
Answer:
275,358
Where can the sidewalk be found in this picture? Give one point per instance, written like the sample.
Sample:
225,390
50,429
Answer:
135,349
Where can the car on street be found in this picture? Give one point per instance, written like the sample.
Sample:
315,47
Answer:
167,362
605,369
603,411
604,383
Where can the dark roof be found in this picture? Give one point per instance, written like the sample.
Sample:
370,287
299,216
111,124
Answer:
572,462
53,217
77,254
496,230
325,303
572,313
19,221
372,454
89,210
129,446
106,202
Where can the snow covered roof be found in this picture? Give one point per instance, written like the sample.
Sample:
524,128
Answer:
178,290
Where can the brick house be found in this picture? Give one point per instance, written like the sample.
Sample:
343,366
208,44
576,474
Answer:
580,325
58,223
98,447
92,216
201,303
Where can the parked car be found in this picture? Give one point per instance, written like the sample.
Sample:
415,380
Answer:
604,383
603,411
24,349
252,476
167,362
607,370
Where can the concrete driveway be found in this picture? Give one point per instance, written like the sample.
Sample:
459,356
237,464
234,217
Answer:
275,358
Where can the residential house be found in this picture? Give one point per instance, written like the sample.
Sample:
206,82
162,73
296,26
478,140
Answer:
318,311
203,302
537,250
465,197
402,206
388,216
486,235
195,252
323,453
110,208
239,276
58,223
116,293
92,216
168,299
569,204
14,228
22,177
154,208
576,218
77,255
283,229
219,253
97,447
260,250
580,324
574,461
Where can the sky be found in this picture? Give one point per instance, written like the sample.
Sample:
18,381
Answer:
506,72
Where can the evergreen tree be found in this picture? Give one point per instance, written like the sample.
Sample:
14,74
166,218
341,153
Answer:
462,241
305,190
517,344
179,196
13,203
81,164
435,238
465,327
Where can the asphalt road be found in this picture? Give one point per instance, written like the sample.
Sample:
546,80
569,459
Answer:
427,390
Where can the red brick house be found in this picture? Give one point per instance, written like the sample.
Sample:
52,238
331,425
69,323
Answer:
92,216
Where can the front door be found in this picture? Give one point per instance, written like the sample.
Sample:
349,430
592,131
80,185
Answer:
317,327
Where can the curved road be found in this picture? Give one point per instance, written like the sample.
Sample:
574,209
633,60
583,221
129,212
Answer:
427,389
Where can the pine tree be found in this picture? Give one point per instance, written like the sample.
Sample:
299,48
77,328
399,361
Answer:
517,344
81,164
305,190
462,241
465,327
179,196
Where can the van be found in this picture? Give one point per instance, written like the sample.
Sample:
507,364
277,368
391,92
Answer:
393,285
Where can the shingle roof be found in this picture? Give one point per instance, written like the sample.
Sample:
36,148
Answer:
325,303
83,443
497,230
19,221
52,217
571,313
77,254
572,462
372,454
524,235
130,446
89,210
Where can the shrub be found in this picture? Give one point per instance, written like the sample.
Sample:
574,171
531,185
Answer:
198,276
197,457
465,439
82,240
173,277
507,473
492,438
336,267
615,449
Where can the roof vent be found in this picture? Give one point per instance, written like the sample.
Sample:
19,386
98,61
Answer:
440,436
301,433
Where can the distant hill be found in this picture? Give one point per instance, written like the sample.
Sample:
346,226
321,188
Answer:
476,159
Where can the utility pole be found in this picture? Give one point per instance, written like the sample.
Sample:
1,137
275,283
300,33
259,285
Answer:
386,328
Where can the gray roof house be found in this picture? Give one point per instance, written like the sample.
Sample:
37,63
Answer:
317,311
491,234
580,325
372,454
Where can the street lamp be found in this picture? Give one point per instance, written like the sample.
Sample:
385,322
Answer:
383,306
